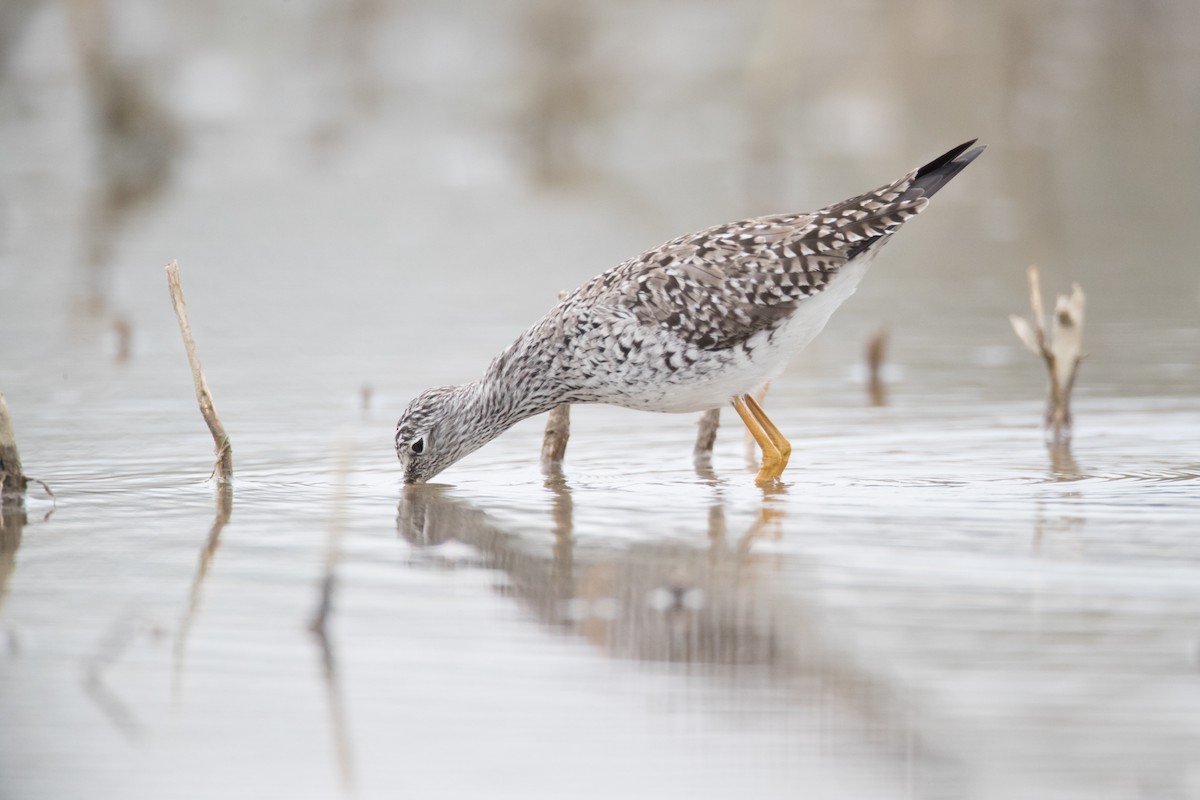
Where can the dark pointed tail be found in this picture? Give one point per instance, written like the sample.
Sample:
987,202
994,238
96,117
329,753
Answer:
937,173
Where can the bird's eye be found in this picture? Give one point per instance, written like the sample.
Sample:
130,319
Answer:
418,446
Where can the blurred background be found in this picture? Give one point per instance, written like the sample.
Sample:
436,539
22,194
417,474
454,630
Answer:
367,162
370,197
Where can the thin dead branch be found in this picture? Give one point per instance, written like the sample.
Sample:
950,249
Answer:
224,450
1061,349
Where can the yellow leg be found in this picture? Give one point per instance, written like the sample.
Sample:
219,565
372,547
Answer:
773,461
778,439
760,394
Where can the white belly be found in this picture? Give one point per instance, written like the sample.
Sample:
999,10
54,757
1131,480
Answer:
769,354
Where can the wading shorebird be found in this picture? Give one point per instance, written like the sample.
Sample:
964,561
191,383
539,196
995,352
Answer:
698,322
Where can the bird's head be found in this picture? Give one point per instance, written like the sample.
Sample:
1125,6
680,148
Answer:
437,429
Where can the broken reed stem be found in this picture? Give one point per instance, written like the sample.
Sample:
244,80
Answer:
224,450
1061,349
12,480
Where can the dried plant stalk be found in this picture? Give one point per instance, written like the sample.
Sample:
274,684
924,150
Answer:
1061,349
222,446
12,480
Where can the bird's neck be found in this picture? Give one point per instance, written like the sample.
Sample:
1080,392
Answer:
498,401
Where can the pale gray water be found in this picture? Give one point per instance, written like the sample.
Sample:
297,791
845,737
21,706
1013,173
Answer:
936,607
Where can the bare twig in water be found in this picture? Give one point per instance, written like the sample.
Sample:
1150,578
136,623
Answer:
558,431
12,480
1061,349
224,450
876,353
319,623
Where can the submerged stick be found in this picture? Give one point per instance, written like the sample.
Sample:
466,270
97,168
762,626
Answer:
1061,349
12,480
222,447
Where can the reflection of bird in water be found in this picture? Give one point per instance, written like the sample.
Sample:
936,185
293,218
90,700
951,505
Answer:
698,322
657,601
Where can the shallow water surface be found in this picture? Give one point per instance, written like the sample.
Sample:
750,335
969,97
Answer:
934,605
